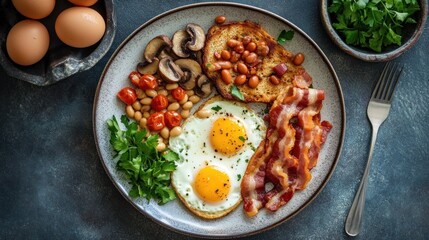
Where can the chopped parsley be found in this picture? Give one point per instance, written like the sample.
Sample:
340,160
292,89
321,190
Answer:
216,108
285,36
236,93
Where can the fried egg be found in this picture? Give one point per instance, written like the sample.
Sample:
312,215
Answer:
214,151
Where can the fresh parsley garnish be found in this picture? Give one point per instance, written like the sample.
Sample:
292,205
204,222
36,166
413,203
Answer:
216,108
285,36
238,177
236,93
372,24
243,139
146,169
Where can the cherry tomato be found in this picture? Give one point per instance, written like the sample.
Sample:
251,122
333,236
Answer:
134,78
148,81
178,93
155,122
159,102
127,95
172,119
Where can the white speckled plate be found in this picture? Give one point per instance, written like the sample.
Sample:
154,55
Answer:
174,215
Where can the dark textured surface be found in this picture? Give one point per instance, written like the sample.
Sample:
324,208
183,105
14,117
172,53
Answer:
54,186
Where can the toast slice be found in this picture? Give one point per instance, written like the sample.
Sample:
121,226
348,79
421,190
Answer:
216,41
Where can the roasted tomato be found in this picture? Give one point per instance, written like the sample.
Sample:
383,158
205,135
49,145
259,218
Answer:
135,78
155,122
127,95
172,119
178,93
159,102
148,81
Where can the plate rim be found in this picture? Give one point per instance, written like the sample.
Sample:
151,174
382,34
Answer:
244,6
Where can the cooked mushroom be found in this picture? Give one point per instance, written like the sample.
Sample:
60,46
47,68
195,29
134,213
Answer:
155,46
192,70
169,71
198,37
204,86
180,40
148,68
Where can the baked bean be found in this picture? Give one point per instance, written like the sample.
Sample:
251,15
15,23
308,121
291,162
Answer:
173,106
240,79
137,105
251,47
184,100
226,55
176,131
242,68
185,113
163,92
146,101
226,76
194,99
253,81
217,55
220,19
274,80
165,133
232,43
234,68
246,40
143,122
171,86
130,111
188,105
204,113
171,98
245,54
252,70
146,114
298,59
234,57
251,58
161,146
138,116
239,48
151,93
263,50
225,64
140,93
190,93
145,108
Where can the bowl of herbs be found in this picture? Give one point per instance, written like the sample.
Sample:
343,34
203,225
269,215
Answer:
374,30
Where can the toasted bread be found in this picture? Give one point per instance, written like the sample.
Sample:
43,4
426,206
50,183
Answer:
216,41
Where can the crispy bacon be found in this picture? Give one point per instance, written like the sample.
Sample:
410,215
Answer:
288,152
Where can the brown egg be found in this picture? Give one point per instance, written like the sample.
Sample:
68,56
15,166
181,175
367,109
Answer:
34,9
27,42
85,3
80,27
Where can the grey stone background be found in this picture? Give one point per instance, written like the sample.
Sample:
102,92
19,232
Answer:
53,186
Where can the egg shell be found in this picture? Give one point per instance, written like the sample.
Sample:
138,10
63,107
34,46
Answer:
85,3
80,27
27,42
34,9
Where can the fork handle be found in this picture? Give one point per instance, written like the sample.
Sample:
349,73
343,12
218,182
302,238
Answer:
354,218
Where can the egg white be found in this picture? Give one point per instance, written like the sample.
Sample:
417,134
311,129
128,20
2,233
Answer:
195,152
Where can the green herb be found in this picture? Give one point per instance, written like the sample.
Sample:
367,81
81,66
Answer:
238,177
146,169
372,24
216,108
285,36
242,138
236,93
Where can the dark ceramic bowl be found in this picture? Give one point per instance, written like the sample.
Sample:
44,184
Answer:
61,61
410,37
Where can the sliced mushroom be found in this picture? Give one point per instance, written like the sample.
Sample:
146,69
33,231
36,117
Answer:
192,70
204,86
148,68
169,71
198,37
155,46
180,40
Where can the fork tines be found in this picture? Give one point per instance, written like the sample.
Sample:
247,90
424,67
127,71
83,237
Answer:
386,84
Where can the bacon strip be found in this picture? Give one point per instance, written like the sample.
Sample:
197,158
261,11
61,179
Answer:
288,152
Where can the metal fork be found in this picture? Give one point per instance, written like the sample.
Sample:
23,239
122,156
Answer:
378,110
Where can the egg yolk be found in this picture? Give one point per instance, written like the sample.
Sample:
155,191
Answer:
211,184
227,135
